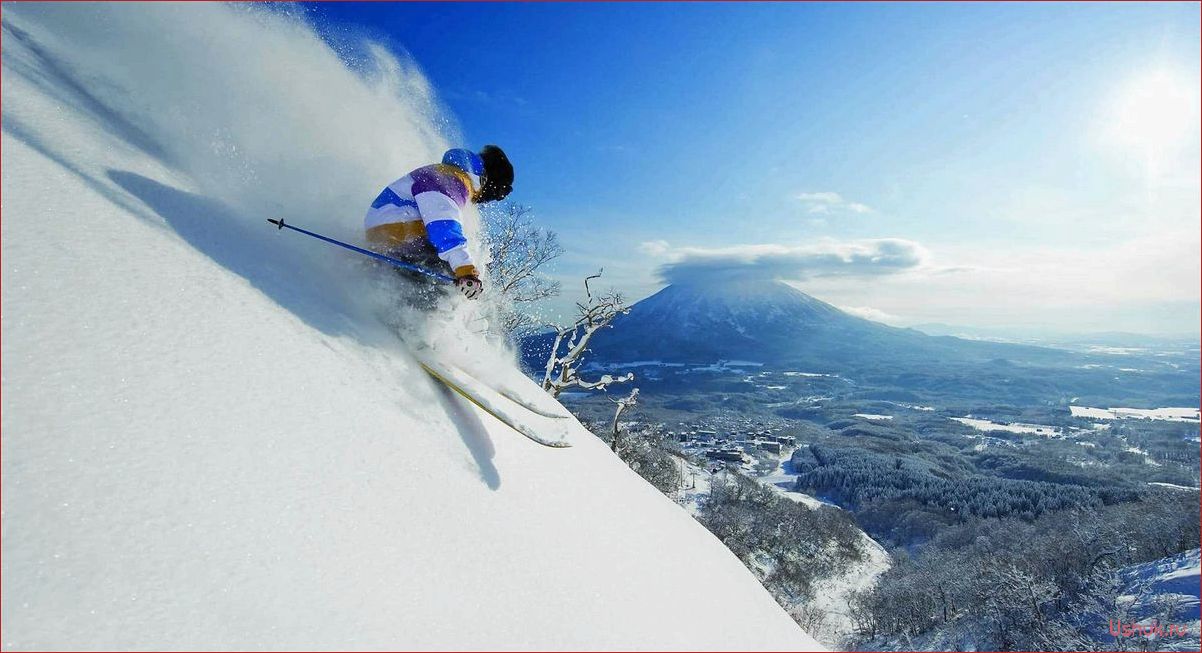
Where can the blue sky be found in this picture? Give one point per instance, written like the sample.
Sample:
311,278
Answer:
1036,164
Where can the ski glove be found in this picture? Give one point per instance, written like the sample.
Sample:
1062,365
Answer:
470,286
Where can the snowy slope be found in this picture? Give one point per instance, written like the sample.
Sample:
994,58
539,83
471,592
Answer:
1164,592
211,440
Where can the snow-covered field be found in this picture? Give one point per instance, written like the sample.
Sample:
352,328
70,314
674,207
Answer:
1183,414
925,409
212,440
724,366
1172,486
609,367
1116,351
782,481
873,417
1016,427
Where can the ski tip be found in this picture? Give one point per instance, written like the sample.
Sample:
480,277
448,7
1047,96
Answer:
279,224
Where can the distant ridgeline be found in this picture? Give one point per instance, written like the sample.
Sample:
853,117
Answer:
783,328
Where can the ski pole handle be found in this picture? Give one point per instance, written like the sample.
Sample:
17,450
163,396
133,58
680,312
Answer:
387,259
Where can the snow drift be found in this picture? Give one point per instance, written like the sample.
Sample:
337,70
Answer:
210,438
1162,592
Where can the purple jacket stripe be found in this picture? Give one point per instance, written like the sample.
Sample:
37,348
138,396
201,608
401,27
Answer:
433,178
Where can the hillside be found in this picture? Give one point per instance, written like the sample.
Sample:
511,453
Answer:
1160,592
211,440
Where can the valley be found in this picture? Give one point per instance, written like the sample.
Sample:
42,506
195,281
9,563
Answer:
919,442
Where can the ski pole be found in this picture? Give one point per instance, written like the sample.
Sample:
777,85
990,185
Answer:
387,259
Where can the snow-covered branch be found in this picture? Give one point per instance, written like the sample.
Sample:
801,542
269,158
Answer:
623,403
571,342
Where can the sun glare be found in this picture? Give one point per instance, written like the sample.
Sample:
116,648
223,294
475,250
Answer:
1156,113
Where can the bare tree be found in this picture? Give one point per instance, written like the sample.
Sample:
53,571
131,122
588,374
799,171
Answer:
517,249
623,404
572,341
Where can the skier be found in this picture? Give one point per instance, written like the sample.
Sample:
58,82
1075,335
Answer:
417,217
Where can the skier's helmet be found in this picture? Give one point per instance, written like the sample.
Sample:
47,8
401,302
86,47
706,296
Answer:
497,181
466,160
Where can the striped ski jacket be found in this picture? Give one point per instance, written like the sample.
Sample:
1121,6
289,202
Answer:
422,210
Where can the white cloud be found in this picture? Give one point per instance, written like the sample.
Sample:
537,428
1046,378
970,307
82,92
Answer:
654,247
1147,285
860,258
825,202
874,314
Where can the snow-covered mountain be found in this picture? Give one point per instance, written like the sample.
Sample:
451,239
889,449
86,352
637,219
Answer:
749,310
211,440
766,320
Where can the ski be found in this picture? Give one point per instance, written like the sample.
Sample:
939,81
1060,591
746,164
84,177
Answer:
540,403
512,395
550,431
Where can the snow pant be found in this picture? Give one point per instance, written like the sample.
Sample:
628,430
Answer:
421,292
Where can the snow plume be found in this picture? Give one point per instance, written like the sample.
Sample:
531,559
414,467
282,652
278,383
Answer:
244,106
863,258
296,131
